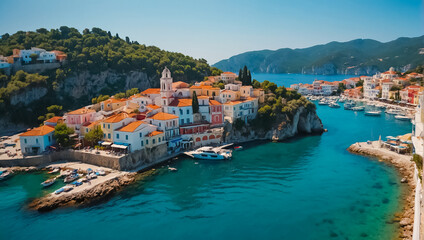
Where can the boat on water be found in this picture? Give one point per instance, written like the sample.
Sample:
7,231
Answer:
55,170
70,178
48,182
359,108
59,191
210,153
394,111
238,148
348,106
402,117
100,172
373,113
334,105
172,169
67,188
323,102
5,175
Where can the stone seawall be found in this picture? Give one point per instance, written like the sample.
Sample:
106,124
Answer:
127,162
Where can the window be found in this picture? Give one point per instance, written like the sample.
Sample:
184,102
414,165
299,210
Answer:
117,136
104,135
188,111
158,139
25,141
36,140
108,126
154,141
160,125
104,125
126,137
86,130
147,141
188,120
140,137
142,143
108,135
182,121
163,138
181,112
50,138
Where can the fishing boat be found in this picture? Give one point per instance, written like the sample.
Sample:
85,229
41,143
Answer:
210,153
48,182
323,102
238,148
70,178
334,105
5,175
55,170
100,172
402,117
172,169
67,188
59,191
373,113
76,183
359,108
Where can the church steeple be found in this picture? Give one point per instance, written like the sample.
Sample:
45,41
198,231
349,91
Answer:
166,87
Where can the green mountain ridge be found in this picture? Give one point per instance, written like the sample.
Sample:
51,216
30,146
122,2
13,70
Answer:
357,57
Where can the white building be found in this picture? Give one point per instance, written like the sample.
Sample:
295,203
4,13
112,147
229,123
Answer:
134,135
167,123
385,89
244,110
182,108
36,140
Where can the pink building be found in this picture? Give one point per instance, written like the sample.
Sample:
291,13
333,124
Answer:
217,115
76,118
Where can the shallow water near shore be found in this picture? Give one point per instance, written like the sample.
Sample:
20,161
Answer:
306,188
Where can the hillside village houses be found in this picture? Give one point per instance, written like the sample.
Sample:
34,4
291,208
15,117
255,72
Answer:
158,116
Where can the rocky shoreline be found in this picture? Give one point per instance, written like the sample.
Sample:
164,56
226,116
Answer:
406,169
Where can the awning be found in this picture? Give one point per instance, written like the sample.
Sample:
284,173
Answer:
106,143
176,140
119,146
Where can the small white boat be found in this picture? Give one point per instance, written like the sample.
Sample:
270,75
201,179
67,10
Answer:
402,117
48,182
70,178
322,102
55,170
59,191
359,108
373,113
101,172
5,175
172,169
92,175
334,105
67,188
394,111
210,153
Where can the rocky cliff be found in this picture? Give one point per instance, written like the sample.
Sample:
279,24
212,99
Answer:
304,121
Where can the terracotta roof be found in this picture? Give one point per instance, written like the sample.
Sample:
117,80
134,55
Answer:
151,91
203,97
181,102
131,127
233,102
228,91
81,111
163,116
40,131
154,133
153,106
92,124
114,100
180,84
214,102
117,118
54,119
228,73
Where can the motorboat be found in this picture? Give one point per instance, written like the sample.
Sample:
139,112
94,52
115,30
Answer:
70,178
48,182
348,106
55,170
238,148
402,117
394,111
67,188
323,102
76,183
334,105
172,169
359,108
5,175
373,113
210,153
59,191
100,172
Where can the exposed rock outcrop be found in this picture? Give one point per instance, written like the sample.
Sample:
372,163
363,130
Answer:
304,121
90,85
96,193
28,96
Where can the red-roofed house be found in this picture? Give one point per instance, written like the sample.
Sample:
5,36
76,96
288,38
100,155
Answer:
53,121
133,135
75,119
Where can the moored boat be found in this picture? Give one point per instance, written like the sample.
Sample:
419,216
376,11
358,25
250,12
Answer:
238,148
48,182
210,153
5,175
59,191
373,113
70,178
67,188
359,108
55,170
334,105
402,117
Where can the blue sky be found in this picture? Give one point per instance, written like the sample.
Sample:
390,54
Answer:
219,29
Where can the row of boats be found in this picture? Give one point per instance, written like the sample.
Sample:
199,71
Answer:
72,177
374,109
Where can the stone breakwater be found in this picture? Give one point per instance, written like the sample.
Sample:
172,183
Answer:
94,194
406,169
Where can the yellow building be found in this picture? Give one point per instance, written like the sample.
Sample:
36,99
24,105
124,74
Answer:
112,104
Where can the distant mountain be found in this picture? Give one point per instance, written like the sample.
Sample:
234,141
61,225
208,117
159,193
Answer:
358,57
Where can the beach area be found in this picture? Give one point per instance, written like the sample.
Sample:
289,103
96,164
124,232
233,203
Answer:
406,169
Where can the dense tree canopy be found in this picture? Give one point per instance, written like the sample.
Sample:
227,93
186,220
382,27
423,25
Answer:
97,50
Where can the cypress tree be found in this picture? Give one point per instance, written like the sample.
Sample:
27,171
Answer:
240,76
244,81
249,78
195,103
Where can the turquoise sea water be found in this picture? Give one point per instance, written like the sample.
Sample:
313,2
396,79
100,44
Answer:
306,188
286,80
